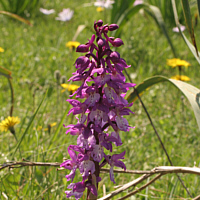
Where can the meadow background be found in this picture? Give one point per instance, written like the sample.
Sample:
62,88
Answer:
34,53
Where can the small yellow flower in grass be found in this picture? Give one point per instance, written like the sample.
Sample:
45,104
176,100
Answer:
1,50
9,123
100,9
53,124
39,128
49,127
72,44
181,78
71,88
176,62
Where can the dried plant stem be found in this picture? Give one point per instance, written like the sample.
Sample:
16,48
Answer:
162,170
141,188
27,163
156,170
197,197
125,187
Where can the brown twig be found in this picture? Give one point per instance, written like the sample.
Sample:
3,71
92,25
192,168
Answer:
197,197
141,188
156,170
27,163
125,187
162,170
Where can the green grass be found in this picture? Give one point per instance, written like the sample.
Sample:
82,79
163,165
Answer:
34,53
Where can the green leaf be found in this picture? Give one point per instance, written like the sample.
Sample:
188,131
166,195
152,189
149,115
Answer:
5,72
125,17
188,19
192,48
119,8
187,14
22,7
16,17
155,13
126,14
198,3
3,4
192,93
29,124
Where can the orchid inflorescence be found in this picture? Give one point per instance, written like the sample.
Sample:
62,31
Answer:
104,89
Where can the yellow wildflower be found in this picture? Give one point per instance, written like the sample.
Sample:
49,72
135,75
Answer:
45,129
176,62
38,128
1,50
181,78
100,9
49,126
9,123
53,124
71,88
72,44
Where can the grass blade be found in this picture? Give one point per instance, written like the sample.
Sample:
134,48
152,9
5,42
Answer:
119,8
16,17
188,19
155,13
198,4
59,127
125,17
3,5
29,124
22,7
192,93
191,47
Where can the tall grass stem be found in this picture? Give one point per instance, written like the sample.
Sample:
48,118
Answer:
12,96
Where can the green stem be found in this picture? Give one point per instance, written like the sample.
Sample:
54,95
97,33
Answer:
12,96
15,137
179,70
14,134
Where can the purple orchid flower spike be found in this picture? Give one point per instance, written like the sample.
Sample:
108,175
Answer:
102,107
